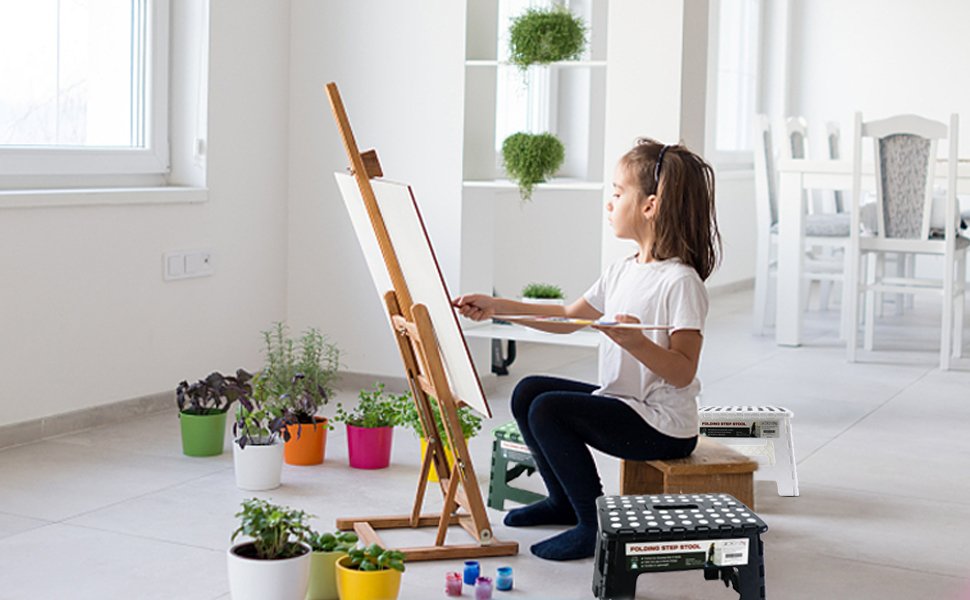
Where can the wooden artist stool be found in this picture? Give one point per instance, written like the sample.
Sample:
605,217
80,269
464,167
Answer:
712,468
713,532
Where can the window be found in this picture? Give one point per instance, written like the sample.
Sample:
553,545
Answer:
84,87
523,99
736,43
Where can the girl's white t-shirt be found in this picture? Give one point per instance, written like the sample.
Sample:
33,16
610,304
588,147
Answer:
666,292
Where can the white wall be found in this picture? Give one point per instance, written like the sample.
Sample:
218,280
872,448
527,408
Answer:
399,68
85,317
881,57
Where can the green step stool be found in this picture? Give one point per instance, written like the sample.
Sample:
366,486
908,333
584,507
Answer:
510,459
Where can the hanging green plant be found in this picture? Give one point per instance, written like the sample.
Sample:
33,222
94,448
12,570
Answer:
531,158
545,35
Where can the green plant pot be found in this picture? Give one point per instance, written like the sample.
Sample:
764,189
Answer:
203,435
323,575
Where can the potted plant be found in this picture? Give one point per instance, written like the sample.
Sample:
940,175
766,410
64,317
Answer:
546,35
531,158
408,417
370,427
327,548
301,375
260,430
202,410
370,573
542,293
275,563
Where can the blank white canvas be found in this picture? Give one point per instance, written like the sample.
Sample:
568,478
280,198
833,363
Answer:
421,274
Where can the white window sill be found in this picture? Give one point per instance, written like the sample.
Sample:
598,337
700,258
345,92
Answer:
103,196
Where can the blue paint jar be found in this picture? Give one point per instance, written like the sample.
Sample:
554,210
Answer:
503,581
472,570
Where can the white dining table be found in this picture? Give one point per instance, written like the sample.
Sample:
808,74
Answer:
794,177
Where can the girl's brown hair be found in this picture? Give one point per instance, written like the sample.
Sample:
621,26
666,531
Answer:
686,223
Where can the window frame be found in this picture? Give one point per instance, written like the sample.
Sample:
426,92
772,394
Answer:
730,159
152,159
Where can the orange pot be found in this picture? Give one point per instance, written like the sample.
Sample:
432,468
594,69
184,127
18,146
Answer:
308,447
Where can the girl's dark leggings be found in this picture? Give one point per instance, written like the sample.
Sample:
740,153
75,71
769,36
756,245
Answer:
560,419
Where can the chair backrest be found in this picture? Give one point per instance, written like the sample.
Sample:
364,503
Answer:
764,175
834,137
904,151
796,137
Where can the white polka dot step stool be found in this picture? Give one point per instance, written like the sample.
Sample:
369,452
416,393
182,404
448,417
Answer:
760,432
675,532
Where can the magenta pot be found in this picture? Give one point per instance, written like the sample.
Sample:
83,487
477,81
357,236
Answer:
369,447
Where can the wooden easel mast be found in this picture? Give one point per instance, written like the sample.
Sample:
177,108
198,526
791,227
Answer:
429,383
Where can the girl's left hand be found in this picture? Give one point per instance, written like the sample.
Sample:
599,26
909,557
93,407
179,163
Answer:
626,338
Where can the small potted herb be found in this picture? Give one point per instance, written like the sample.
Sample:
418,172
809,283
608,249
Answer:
370,427
301,374
531,158
370,573
327,549
546,35
261,429
542,293
470,422
274,564
202,410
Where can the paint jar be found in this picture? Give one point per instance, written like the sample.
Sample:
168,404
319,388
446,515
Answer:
504,580
471,571
453,584
483,588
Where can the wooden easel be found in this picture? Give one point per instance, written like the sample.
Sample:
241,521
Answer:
428,380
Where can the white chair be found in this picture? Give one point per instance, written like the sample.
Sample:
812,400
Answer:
825,230
905,149
796,147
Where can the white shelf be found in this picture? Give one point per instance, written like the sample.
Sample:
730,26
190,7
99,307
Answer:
554,185
562,63
584,337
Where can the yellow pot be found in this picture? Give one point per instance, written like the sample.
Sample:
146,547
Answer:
433,476
366,585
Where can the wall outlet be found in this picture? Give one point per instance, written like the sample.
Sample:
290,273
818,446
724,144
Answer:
190,263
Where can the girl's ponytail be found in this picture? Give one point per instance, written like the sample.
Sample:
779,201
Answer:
686,222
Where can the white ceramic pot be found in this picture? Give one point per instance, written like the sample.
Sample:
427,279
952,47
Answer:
258,467
254,579
556,301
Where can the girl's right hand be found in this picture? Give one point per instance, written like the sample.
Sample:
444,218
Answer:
476,307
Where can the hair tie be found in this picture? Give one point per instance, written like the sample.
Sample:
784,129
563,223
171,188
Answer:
656,169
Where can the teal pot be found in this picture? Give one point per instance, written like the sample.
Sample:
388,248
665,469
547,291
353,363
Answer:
203,435
323,575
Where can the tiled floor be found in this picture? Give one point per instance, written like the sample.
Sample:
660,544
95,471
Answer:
884,475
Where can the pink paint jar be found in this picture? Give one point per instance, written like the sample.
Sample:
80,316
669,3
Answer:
483,588
453,584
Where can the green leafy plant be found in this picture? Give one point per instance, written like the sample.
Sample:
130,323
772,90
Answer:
530,159
214,394
338,541
375,409
276,531
301,374
261,419
542,291
407,410
545,35
376,558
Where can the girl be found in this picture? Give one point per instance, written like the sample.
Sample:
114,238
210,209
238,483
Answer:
644,407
